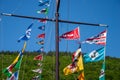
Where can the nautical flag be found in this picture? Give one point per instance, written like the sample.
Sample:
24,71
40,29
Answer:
17,58
42,27
41,49
42,3
43,11
36,77
41,35
99,39
37,70
81,76
76,65
43,20
76,54
95,55
39,64
102,72
14,76
40,42
8,71
17,66
39,57
71,35
27,35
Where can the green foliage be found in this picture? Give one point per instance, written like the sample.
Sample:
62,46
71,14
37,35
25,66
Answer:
91,70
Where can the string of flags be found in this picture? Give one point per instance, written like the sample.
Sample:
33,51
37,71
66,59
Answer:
17,62
41,37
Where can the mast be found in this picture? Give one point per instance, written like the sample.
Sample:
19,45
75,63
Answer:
57,39
56,20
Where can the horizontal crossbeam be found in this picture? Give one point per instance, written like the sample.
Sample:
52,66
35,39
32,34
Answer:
53,20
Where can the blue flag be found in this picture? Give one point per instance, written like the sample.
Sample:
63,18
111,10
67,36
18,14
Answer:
102,72
27,35
42,27
94,56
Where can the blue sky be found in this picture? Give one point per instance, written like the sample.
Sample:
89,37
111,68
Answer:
91,11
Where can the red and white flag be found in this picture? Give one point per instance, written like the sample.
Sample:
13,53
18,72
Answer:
37,70
99,39
41,35
39,57
71,35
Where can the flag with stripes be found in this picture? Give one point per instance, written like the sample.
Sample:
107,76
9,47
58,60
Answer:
99,39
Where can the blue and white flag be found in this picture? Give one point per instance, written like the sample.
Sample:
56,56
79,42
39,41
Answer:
42,27
95,55
27,35
14,76
102,72
42,3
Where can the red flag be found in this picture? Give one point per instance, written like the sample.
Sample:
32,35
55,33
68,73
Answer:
99,39
39,57
43,20
71,35
41,35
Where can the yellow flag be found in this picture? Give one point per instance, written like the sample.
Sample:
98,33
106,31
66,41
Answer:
16,60
74,67
23,49
80,63
81,76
